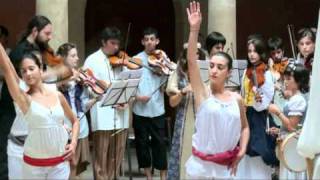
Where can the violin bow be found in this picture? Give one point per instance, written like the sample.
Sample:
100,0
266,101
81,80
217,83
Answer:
292,40
126,41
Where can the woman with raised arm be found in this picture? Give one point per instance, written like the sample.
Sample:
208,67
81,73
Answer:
46,152
220,115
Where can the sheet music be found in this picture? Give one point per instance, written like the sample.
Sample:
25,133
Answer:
130,74
120,92
238,68
204,72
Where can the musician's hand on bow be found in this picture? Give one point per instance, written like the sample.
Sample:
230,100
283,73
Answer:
274,131
75,75
143,99
121,106
257,95
194,16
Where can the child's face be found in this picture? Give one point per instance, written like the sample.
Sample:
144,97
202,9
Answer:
216,48
290,83
306,46
253,55
111,46
150,42
277,55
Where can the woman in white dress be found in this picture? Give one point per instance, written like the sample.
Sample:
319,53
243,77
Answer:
296,80
220,116
46,152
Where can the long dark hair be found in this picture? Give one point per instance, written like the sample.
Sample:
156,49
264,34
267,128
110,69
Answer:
38,22
260,48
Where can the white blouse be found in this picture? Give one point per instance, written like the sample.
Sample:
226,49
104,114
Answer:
47,137
218,128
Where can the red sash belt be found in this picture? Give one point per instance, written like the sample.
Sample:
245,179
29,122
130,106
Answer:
223,158
43,162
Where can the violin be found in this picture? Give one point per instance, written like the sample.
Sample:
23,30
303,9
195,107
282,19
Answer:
161,62
88,79
122,59
50,59
256,75
280,66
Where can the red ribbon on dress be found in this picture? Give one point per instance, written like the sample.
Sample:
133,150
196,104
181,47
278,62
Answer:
224,158
43,162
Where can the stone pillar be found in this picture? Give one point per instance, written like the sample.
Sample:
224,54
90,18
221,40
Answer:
57,12
182,25
77,25
222,18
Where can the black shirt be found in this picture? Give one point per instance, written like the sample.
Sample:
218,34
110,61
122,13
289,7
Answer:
7,111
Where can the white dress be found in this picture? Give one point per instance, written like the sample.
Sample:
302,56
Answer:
296,106
47,137
218,128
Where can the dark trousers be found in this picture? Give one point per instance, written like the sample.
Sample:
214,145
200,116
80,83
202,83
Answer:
5,126
144,128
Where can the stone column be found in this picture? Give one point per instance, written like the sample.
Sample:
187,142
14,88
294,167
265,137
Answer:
222,18
77,25
57,12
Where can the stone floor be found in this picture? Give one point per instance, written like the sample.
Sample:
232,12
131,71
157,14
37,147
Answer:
125,174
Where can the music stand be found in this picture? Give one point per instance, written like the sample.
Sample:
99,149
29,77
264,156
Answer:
238,68
119,92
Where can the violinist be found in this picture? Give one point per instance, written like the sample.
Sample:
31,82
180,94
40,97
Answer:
277,62
78,98
149,112
105,120
257,91
306,46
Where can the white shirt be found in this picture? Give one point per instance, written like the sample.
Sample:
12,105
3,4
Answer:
105,118
84,127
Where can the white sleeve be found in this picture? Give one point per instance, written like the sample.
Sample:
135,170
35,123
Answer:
267,90
297,106
84,98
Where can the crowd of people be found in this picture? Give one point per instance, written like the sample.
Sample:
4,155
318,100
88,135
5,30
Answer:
219,133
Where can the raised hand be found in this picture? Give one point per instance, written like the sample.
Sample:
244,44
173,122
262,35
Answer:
194,15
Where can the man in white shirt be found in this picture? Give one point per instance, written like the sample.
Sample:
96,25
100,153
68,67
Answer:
106,120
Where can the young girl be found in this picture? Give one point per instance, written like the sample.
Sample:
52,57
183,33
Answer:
78,99
296,79
306,45
257,91
178,89
220,115
46,150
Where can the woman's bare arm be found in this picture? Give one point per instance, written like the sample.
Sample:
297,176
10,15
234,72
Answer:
10,76
194,18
